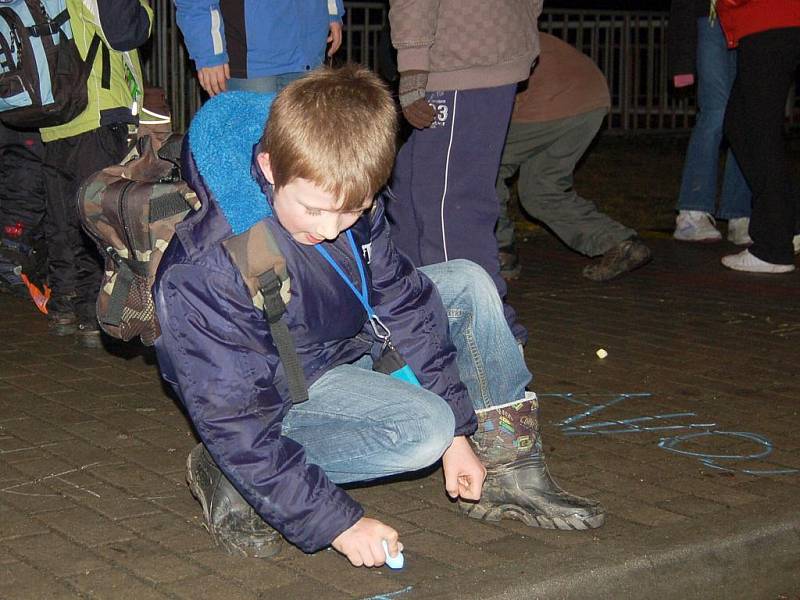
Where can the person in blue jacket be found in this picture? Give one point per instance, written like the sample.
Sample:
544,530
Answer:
258,46
266,462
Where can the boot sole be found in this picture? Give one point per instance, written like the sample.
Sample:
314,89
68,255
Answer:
235,545
510,511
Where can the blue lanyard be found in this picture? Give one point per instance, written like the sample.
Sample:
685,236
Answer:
381,331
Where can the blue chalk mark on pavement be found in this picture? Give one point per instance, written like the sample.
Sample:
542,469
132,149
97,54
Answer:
571,427
391,595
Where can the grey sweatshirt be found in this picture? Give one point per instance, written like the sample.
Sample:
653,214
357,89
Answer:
466,44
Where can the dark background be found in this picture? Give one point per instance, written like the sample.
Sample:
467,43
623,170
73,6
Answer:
609,4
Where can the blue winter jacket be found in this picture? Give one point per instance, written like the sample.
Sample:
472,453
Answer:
216,349
257,37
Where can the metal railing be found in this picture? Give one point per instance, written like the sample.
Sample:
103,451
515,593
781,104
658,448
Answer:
629,47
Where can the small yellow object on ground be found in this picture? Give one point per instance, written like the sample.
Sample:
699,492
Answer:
601,353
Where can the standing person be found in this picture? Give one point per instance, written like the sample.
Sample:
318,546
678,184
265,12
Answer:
553,122
22,209
459,63
96,138
767,35
698,51
257,46
355,301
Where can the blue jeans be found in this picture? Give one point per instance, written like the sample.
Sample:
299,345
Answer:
716,71
263,85
360,425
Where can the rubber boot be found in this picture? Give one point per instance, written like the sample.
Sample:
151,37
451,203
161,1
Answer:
518,484
231,521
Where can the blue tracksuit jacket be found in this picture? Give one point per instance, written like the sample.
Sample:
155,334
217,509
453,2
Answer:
257,37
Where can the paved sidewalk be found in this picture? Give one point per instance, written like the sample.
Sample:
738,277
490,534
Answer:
687,431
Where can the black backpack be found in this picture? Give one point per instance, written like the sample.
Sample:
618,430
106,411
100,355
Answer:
42,75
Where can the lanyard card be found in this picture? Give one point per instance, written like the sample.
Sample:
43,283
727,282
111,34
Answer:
392,363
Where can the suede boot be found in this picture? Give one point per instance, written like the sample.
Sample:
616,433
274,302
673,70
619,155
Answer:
231,521
518,484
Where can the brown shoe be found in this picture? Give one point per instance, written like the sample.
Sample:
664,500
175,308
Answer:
509,262
88,335
62,323
623,258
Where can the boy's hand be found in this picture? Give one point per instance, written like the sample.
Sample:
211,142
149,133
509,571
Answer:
362,544
214,80
334,37
463,471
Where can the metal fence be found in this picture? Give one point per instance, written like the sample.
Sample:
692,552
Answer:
629,47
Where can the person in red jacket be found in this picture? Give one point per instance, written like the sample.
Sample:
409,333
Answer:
767,35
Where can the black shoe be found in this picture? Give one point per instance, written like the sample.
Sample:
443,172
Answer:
231,521
509,262
62,323
623,258
88,335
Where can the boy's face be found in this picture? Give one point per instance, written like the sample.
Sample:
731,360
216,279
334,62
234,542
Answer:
310,214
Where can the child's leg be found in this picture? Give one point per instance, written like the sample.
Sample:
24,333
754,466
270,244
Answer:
508,440
489,359
359,425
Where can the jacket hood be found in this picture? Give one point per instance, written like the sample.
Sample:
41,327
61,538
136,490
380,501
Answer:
217,157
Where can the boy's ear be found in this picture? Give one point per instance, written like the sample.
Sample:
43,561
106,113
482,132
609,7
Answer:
266,167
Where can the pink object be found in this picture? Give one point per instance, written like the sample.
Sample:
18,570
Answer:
683,80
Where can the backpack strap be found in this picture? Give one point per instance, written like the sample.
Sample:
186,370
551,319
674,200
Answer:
95,45
52,27
258,258
274,307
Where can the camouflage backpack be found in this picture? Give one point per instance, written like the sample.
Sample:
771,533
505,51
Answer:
131,210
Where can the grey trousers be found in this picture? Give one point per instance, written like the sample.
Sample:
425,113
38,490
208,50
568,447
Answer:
545,155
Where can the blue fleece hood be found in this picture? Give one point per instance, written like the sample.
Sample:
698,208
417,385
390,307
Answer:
224,160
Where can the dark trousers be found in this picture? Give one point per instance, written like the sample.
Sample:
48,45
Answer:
444,180
75,269
22,192
754,124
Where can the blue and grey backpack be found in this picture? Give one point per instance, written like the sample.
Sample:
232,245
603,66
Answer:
42,75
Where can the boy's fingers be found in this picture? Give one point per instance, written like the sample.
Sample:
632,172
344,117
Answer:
394,546
355,559
453,491
470,487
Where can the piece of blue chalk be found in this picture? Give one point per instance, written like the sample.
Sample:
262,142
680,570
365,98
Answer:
393,562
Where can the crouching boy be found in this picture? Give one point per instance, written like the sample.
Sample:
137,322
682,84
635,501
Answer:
266,462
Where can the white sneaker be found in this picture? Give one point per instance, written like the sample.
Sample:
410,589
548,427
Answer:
744,261
696,226
796,243
738,231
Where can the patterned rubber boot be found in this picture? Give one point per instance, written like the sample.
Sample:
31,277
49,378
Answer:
231,521
518,484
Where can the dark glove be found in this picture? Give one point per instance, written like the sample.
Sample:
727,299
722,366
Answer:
415,107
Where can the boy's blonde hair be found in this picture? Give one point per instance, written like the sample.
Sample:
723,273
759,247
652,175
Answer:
335,128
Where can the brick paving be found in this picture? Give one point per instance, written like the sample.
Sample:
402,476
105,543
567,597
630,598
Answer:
93,502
